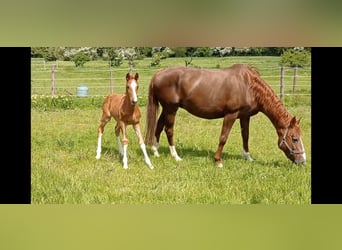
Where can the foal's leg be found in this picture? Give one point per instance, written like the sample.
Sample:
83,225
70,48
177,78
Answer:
244,125
104,120
125,144
142,144
169,124
228,122
118,139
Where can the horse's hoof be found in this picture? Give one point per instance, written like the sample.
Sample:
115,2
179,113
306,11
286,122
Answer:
98,157
219,165
247,155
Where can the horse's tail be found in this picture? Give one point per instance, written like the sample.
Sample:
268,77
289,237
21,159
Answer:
151,114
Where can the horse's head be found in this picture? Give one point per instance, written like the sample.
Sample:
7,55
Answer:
291,143
132,87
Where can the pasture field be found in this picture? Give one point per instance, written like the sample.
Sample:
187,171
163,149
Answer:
64,169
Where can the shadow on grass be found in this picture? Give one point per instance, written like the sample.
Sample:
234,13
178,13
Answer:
188,152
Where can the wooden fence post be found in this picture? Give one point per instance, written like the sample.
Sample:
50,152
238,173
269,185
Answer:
294,79
282,69
53,80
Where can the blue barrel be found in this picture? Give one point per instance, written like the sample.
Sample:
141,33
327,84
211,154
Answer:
82,90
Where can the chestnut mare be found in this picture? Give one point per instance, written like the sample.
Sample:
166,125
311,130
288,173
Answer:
125,110
237,92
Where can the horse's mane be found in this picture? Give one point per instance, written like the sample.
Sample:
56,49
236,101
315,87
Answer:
265,95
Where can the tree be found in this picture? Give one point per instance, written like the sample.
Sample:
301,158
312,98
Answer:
295,57
80,59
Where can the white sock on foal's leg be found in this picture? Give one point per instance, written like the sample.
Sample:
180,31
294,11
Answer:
147,159
124,157
98,150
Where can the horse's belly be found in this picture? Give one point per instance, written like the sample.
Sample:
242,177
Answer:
204,112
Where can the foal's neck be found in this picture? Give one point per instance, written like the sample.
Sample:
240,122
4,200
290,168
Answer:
127,105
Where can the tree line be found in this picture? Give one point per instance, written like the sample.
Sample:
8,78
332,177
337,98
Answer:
291,56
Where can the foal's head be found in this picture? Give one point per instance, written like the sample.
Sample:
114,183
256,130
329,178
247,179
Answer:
132,87
291,142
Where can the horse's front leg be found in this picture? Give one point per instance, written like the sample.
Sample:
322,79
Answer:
244,125
142,144
228,122
122,148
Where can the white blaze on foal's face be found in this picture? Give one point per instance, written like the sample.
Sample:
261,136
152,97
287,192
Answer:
133,87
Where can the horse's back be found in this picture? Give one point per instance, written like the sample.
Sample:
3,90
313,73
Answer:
183,81
207,93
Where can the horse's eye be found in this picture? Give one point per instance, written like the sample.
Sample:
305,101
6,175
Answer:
294,139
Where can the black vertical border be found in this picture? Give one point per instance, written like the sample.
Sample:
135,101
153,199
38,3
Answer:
15,182
326,125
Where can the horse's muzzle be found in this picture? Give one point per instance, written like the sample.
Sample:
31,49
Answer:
300,161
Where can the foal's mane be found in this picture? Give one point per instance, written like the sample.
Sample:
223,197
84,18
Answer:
270,103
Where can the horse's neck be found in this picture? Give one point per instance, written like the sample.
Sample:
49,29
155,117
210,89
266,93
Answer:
278,115
126,105
272,107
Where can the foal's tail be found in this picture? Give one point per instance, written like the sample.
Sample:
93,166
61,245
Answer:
151,115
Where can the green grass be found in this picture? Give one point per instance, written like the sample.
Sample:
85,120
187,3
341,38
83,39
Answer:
64,168
64,139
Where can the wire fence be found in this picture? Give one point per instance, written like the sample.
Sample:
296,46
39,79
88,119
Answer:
61,78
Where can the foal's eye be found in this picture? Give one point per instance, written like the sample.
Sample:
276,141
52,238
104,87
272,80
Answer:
294,139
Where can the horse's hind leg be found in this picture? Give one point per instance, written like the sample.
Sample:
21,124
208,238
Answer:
159,129
142,145
104,120
244,125
169,124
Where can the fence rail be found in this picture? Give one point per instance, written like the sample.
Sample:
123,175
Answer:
53,79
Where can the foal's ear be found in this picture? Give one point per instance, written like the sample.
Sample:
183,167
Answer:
136,77
128,76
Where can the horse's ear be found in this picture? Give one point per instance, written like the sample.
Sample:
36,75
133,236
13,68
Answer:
136,76
293,121
128,76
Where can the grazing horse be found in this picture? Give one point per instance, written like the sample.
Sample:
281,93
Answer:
236,92
125,110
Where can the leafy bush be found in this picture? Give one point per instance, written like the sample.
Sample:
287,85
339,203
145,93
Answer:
155,59
52,103
44,103
80,59
295,58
